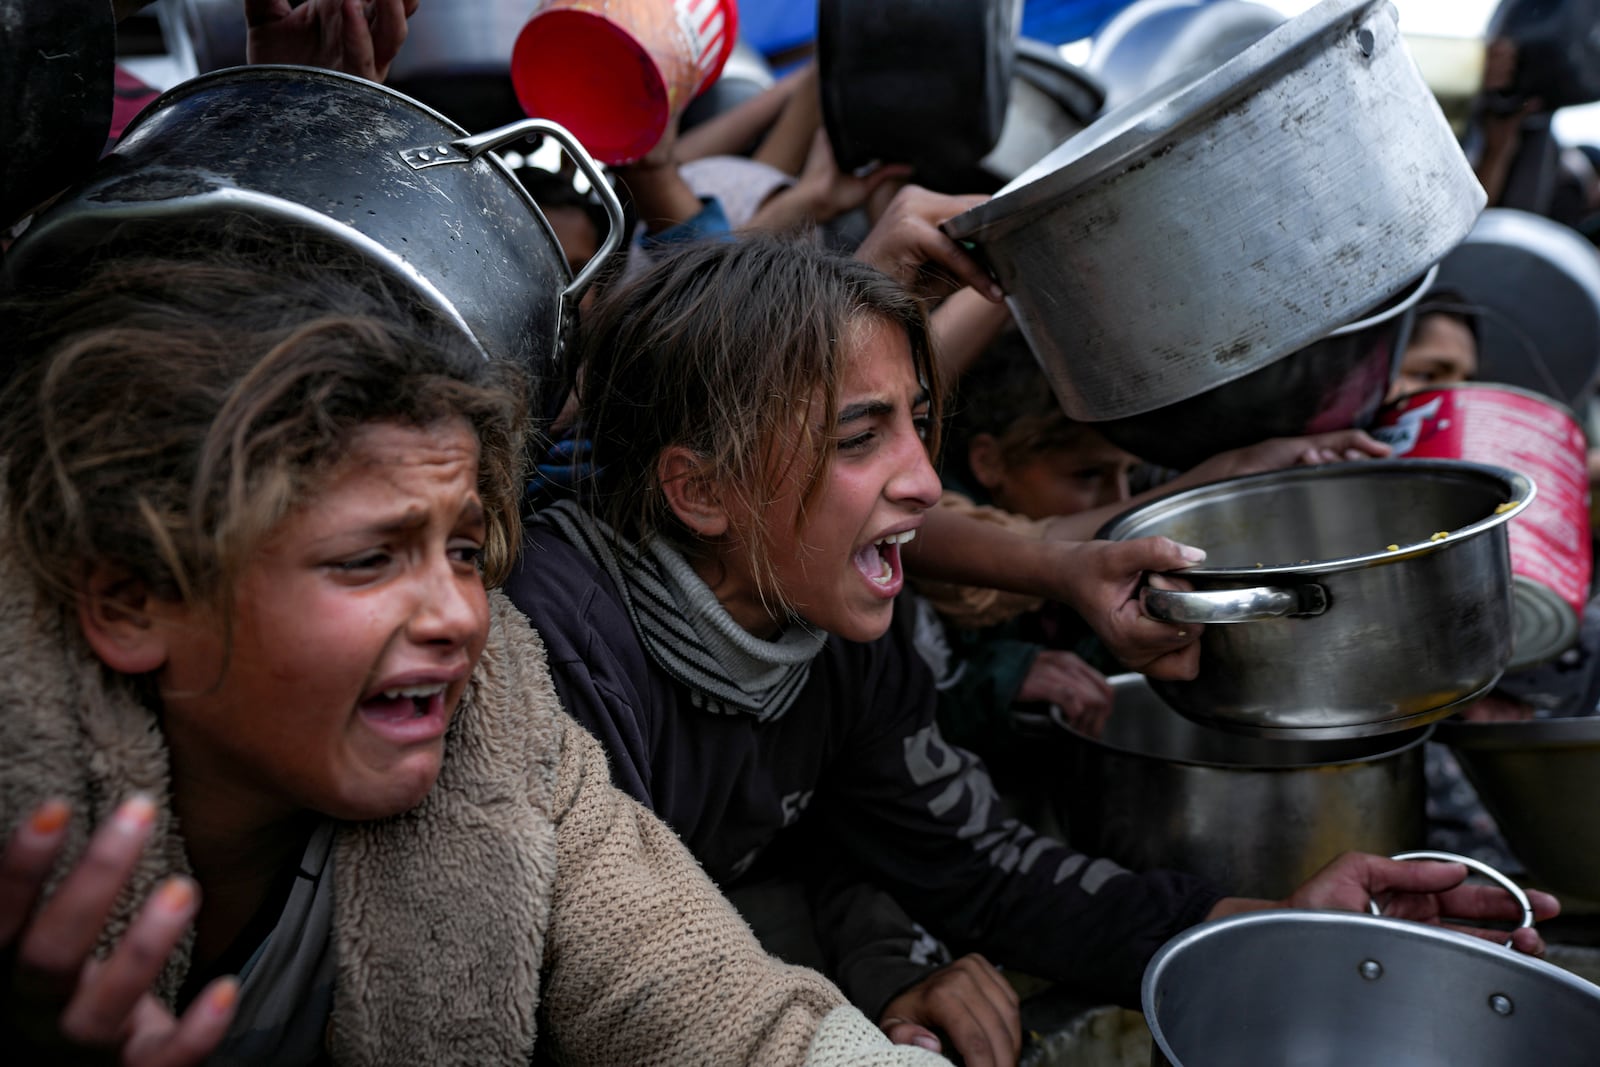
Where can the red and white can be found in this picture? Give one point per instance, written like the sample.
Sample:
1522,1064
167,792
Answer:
617,72
1551,555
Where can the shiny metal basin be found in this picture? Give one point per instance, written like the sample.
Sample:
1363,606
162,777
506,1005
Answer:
1336,989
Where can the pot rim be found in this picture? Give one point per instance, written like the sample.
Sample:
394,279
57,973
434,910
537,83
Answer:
1519,488
1063,173
1571,732
1400,742
1283,923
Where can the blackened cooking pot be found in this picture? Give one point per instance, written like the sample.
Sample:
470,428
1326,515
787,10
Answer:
1340,601
344,160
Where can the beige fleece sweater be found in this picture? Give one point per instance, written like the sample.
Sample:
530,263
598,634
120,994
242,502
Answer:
525,899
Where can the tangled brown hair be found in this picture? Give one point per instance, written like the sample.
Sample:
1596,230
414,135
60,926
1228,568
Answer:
166,414
726,348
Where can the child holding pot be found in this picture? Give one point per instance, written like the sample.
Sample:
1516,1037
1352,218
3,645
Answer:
718,607
283,781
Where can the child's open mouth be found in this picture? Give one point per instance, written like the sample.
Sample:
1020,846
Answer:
407,714
879,561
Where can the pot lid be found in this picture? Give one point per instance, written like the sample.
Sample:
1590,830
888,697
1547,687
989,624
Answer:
1156,118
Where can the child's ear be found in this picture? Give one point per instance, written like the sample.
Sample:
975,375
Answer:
985,461
691,495
114,613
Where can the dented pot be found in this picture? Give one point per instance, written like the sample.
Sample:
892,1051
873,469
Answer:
1207,229
347,162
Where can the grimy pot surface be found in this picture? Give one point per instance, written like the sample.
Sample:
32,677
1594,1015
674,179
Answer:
1200,233
1255,817
336,158
1351,599
1339,989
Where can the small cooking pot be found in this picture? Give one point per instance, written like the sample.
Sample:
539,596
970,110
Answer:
1200,233
1323,987
343,160
1256,817
1340,601
924,82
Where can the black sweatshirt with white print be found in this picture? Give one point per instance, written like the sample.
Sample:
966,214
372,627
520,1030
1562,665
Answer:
858,763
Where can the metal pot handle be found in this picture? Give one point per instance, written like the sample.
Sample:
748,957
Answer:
1232,605
467,149
1477,865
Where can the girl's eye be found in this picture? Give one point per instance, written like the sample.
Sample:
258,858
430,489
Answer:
470,554
859,441
371,561
924,425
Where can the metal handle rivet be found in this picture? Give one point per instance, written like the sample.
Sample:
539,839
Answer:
1371,970
1501,1004
1366,41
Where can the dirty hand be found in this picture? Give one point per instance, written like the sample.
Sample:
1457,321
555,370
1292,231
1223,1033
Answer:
1101,580
1063,679
907,239
63,1003
971,1003
829,192
359,37
1424,891
1281,452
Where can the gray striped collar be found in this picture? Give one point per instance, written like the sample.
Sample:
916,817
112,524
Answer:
686,631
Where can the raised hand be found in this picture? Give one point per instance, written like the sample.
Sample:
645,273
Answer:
359,37
63,1003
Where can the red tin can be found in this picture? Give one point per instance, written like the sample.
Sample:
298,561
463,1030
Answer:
1551,555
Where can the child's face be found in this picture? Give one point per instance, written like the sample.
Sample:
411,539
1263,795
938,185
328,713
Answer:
1090,474
836,570
1443,351
355,627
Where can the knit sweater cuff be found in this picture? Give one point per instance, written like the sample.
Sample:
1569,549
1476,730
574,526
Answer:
847,1037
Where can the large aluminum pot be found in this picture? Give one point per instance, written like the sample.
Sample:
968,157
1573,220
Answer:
346,161
1273,988
1185,240
1341,601
1332,384
1255,817
1540,780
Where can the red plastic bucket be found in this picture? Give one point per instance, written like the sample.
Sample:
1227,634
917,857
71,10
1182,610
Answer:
616,72
1551,555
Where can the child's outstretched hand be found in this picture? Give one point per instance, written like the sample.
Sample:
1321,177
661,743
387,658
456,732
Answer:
60,1001
1101,582
359,37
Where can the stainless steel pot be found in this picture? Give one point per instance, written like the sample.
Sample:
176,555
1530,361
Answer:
1255,817
346,161
1184,241
1273,988
1341,601
1332,384
1540,780
1162,42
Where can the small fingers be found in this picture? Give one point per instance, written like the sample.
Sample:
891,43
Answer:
29,856
161,1043
99,1011
905,1032
387,32
66,928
